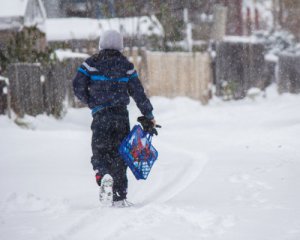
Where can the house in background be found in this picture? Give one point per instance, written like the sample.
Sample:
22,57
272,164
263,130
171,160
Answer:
53,8
17,15
79,8
82,34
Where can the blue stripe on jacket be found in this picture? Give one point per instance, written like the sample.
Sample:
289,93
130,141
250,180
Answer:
133,75
104,78
87,90
83,71
100,107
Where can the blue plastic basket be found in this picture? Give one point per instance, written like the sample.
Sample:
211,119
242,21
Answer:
138,152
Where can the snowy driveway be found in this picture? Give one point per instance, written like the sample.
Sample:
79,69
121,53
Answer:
225,171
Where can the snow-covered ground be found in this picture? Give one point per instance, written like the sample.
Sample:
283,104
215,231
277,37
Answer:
229,170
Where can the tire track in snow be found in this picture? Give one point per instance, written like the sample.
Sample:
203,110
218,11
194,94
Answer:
176,170
137,222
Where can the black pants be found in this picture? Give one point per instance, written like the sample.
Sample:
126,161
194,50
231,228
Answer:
110,126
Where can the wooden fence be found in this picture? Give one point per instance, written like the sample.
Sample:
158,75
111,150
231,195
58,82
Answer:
36,89
26,89
239,67
175,73
289,73
58,85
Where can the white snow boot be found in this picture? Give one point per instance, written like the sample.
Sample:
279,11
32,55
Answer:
106,190
122,204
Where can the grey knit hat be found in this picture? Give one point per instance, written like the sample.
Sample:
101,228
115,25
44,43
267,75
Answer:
111,39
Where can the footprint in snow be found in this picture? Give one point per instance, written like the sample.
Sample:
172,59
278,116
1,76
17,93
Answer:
251,190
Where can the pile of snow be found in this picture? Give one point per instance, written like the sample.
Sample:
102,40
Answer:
276,42
242,39
229,170
67,54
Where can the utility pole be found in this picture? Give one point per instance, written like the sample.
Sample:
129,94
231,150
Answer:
277,13
220,22
188,31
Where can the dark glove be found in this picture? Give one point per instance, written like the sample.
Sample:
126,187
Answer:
148,125
98,178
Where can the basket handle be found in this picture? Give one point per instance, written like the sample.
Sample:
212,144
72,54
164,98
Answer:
149,137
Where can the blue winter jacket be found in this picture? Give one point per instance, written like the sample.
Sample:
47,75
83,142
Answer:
108,79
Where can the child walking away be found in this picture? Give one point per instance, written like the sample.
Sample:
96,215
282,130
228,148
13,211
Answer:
105,82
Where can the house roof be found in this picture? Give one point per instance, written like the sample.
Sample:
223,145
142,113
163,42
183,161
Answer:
144,25
61,29
18,13
13,8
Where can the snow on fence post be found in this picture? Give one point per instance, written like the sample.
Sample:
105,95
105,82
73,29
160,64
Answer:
26,88
240,65
289,73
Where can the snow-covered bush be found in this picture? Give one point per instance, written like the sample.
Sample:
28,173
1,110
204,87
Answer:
276,41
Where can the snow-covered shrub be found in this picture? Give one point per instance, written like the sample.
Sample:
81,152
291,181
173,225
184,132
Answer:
276,41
